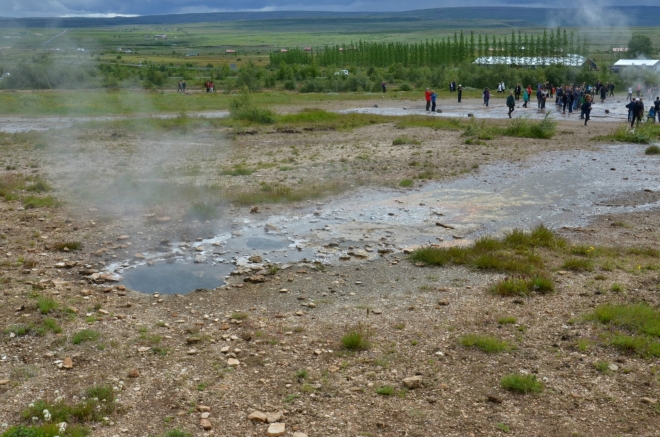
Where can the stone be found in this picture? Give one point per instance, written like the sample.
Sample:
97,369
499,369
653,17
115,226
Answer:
200,259
192,351
133,373
299,434
494,399
649,401
255,259
163,219
4,381
143,349
203,408
276,429
274,417
205,415
206,424
233,362
67,363
111,277
412,382
613,367
258,415
333,369
192,340
256,279
123,237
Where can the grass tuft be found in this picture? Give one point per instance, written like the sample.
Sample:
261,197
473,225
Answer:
385,390
46,305
578,265
357,338
521,384
485,343
507,320
71,245
85,335
405,140
637,327
652,150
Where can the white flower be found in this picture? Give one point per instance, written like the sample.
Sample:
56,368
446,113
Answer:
62,427
47,415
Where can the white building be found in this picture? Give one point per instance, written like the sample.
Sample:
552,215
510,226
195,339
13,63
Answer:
648,64
535,61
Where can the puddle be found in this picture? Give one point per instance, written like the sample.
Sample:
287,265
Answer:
559,189
176,278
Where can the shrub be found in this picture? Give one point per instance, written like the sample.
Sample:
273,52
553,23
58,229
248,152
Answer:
506,320
242,108
239,316
542,284
52,325
39,186
405,140
406,183
617,288
521,384
40,202
85,335
602,366
485,343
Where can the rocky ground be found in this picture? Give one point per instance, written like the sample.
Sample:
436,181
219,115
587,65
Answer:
227,362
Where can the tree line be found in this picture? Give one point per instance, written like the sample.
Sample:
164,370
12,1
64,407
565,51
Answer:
446,51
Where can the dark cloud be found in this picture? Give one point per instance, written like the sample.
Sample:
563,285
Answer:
46,8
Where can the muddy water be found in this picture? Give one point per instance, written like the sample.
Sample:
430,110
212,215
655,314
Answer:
559,189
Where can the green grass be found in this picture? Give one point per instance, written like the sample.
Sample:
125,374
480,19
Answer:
578,265
52,325
302,374
503,427
636,327
523,286
617,288
45,430
523,384
176,433
40,202
514,253
526,128
39,186
276,193
484,343
357,338
71,245
238,170
85,335
652,150
406,183
385,390
507,320
405,140
19,330
239,316
46,305
642,134
602,366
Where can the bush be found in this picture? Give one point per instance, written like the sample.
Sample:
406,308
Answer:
521,384
652,150
46,305
241,108
406,183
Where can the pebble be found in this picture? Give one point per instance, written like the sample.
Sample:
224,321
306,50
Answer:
205,415
233,362
67,363
276,429
412,382
203,409
299,434
258,415
206,424
4,381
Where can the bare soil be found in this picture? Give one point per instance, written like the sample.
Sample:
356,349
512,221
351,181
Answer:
416,315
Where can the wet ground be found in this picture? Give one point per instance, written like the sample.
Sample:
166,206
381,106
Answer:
558,189
610,110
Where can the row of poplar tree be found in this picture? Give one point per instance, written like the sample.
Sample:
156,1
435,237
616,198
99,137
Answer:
446,51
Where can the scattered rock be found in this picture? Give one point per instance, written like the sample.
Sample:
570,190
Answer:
494,399
442,225
233,362
67,363
143,348
192,352
649,401
163,219
276,429
256,279
133,373
205,415
412,382
254,210
613,367
333,369
206,424
111,277
443,302
274,417
255,259
299,434
258,415
4,381
199,259
203,409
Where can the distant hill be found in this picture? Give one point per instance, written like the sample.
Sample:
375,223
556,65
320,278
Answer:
634,16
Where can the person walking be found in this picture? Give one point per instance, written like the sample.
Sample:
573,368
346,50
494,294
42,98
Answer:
179,87
586,109
427,96
460,92
499,88
538,97
571,98
383,85
637,112
433,97
629,94
518,91
564,101
525,98
511,103
611,86
544,96
486,96
603,94
656,106
183,86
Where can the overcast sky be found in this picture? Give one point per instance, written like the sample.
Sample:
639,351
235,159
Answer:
58,8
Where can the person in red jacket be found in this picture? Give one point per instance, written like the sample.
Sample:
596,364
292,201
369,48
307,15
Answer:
427,95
